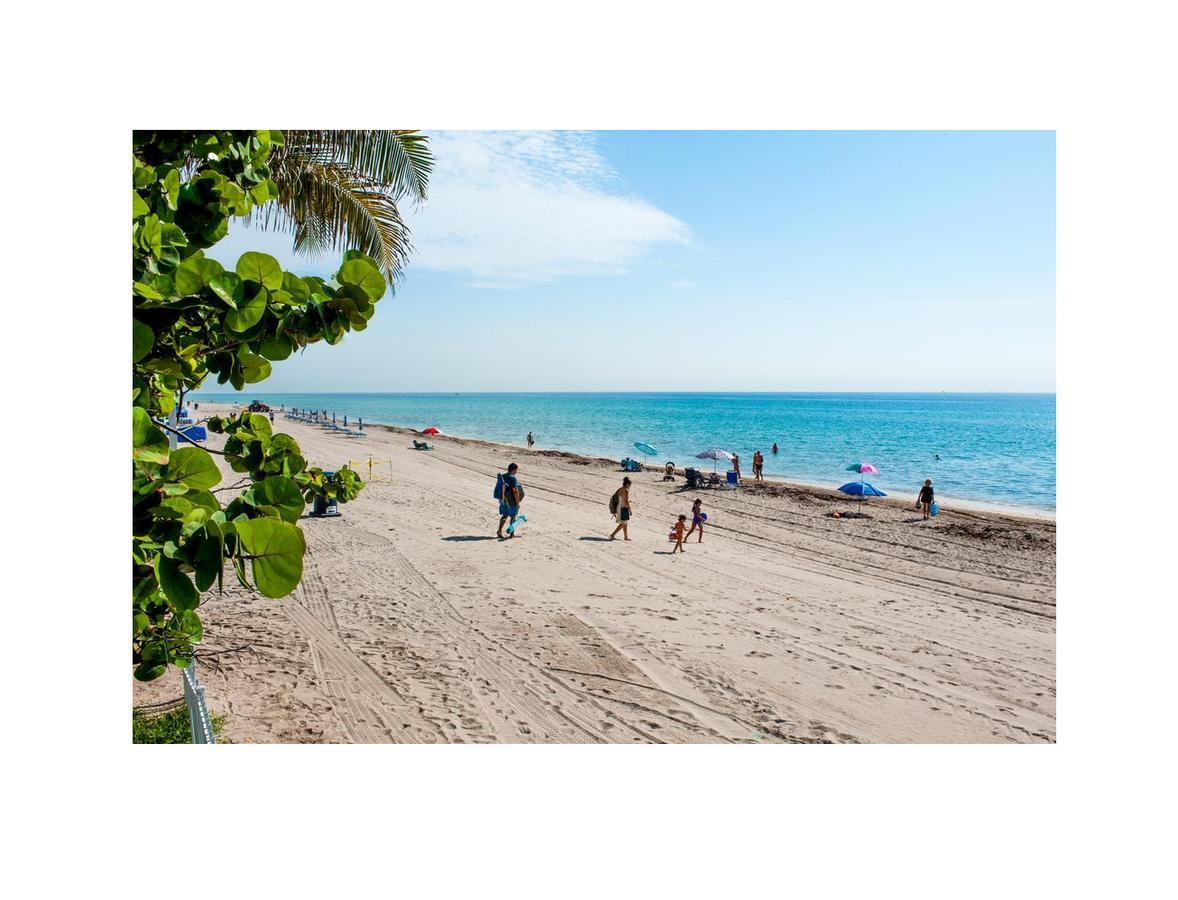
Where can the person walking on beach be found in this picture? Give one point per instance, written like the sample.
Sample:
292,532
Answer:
697,519
511,494
926,497
758,462
619,505
531,440
677,531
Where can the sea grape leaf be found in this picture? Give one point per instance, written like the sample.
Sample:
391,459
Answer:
177,586
282,494
275,550
148,443
248,312
193,467
363,274
261,268
228,287
276,347
142,340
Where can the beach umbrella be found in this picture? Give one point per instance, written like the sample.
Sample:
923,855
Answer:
714,453
861,489
863,468
646,448
431,430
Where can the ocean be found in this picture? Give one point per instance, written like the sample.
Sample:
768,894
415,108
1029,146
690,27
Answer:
992,448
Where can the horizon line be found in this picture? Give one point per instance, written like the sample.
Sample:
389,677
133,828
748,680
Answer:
650,391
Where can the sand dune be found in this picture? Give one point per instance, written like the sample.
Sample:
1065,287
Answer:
413,624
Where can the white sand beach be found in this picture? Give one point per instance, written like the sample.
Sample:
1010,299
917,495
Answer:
414,624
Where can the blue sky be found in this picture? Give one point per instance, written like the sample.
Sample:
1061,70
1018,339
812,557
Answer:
759,261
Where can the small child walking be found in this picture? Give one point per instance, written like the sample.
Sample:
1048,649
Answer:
679,530
698,517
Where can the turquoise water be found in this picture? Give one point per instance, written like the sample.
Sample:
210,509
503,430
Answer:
995,448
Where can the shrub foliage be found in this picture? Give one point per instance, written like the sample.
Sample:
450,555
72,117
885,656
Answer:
194,318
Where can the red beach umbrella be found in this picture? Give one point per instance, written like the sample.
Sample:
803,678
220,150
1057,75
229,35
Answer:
431,431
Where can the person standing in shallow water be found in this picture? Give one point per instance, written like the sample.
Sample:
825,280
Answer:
619,505
926,497
758,462
775,448
531,440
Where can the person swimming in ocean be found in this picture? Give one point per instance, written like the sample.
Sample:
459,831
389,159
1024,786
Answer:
936,456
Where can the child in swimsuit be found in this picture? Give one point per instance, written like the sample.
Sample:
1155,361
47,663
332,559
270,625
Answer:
678,531
697,519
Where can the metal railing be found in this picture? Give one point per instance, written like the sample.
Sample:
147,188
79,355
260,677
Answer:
198,711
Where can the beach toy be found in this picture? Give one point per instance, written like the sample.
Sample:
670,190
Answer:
932,510
703,517
514,525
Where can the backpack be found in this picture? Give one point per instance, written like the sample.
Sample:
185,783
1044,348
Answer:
498,492
613,501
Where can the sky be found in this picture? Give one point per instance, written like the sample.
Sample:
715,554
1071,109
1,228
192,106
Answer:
710,261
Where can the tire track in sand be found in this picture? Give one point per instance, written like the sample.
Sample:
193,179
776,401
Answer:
367,706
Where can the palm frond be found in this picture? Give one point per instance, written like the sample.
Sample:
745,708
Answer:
339,190
400,159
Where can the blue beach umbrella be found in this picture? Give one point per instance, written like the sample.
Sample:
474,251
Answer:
646,448
861,489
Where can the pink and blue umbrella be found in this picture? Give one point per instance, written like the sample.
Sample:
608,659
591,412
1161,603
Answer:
861,488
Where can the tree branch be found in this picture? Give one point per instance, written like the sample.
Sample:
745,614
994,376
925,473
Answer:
166,427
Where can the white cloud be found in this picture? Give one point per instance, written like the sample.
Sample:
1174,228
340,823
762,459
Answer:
514,208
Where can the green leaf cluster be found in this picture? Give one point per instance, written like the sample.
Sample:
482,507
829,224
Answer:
193,318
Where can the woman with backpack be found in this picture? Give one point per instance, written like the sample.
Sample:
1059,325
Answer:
619,505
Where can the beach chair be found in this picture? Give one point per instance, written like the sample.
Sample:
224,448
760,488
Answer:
669,472
421,445
733,480
694,478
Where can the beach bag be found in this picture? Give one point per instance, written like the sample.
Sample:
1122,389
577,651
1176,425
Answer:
932,510
498,492
613,502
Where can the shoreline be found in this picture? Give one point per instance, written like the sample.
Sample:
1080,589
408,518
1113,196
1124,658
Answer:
786,624
947,502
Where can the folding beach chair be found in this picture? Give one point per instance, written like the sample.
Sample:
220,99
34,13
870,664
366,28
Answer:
733,480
